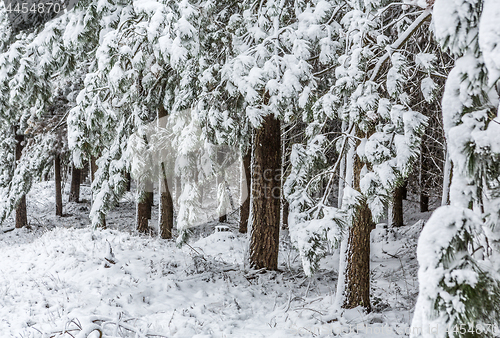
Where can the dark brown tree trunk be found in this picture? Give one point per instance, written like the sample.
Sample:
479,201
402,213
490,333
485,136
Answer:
21,214
357,279
166,217
57,174
285,212
128,177
424,202
424,167
397,207
404,190
93,169
245,205
150,197
166,207
220,180
285,159
266,190
143,208
74,195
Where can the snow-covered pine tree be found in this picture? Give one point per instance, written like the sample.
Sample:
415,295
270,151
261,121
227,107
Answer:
377,144
268,72
27,64
458,249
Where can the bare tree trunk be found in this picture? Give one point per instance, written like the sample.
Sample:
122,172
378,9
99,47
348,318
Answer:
74,195
150,197
424,197
93,169
143,208
397,207
448,168
357,269
166,216
284,160
284,214
21,214
245,205
57,174
129,180
404,190
266,190
220,180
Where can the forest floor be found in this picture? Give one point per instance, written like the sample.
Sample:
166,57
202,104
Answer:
59,276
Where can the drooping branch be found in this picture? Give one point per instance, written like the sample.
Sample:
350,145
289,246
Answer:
426,14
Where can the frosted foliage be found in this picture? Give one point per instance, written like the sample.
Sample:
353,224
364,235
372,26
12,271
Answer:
489,39
439,275
455,24
428,88
457,284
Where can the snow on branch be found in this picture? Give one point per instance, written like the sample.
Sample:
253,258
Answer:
426,14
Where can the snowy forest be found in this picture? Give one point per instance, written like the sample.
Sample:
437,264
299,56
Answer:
252,168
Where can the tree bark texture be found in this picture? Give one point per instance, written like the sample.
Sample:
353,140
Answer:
357,290
245,205
143,209
423,177
166,208
220,180
397,207
74,194
166,217
57,174
150,196
266,190
21,214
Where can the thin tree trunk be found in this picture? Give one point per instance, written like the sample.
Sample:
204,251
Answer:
178,188
357,279
166,218
143,207
424,197
166,214
245,204
21,214
74,195
284,214
128,177
448,167
220,180
284,160
150,197
266,186
93,170
346,170
397,207
342,171
57,173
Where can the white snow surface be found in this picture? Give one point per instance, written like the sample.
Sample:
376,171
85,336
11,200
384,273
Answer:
62,275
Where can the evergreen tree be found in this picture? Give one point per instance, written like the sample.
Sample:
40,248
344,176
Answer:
378,142
458,247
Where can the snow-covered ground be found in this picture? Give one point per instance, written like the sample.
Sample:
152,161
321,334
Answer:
60,275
